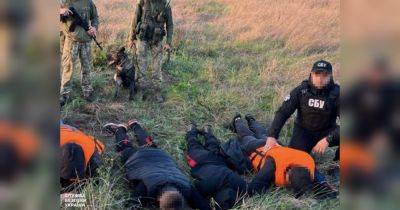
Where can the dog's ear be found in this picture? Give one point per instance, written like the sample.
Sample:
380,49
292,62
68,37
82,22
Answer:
122,50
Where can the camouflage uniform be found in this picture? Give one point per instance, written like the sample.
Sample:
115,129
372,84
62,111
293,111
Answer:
77,45
151,22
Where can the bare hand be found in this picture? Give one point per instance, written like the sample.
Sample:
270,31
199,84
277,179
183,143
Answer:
271,142
92,31
167,47
65,11
321,146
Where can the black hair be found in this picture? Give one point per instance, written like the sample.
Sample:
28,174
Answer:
300,180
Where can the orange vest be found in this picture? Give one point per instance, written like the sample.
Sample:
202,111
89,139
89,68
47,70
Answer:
22,139
284,158
69,134
355,155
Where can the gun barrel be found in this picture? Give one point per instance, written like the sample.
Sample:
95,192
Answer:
97,43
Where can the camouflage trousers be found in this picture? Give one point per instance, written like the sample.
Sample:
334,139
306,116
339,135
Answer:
150,78
72,51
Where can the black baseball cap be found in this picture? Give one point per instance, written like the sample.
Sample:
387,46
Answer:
322,65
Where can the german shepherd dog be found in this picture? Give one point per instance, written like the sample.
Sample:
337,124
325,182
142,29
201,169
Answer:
124,72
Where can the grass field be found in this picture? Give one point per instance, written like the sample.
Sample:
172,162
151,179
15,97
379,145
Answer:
229,56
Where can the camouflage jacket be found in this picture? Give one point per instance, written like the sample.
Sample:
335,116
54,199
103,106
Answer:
157,7
87,10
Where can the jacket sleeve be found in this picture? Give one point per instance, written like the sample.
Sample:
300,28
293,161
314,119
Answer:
334,136
94,16
170,24
94,163
289,105
197,201
136,17
139,192
263,179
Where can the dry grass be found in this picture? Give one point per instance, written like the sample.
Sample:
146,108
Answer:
303,24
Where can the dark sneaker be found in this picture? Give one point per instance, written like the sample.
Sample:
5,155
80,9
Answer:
132,123
191,127
249,118
207,129
159,98
112,127
88,96
63,99
236,117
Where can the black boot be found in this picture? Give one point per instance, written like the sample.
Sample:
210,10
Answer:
192,127
207,130
232,126
113,127
249,118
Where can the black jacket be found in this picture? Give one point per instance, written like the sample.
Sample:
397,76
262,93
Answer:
317,110
211,178
153,168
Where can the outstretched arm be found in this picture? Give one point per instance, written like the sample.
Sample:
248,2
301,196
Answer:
263,179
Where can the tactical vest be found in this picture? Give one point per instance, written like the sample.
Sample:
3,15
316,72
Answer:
90,145
284,158
83,8
151,27
318,111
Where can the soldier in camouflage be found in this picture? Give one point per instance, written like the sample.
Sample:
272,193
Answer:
150,23
77,45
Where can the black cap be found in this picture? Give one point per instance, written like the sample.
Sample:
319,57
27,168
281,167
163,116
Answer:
322,66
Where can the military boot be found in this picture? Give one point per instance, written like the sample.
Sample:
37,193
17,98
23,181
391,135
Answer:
88,95
64,98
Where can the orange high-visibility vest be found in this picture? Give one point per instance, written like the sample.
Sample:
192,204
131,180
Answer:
89,144
284,158
355,155
23,139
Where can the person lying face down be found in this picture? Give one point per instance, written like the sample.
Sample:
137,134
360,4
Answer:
212,174
283,166
80,156
152,173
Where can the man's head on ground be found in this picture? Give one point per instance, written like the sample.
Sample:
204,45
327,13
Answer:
171,199
72,164
225,198
299,179
321,74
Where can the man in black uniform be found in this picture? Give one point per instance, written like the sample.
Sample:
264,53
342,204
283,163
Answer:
212,173
317,103
152,173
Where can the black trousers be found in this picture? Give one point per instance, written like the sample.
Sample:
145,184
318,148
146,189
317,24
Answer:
209,154
203,153
251,136
305,140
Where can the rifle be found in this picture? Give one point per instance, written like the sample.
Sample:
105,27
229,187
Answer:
79,21
136,63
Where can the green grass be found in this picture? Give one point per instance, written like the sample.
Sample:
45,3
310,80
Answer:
210,78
